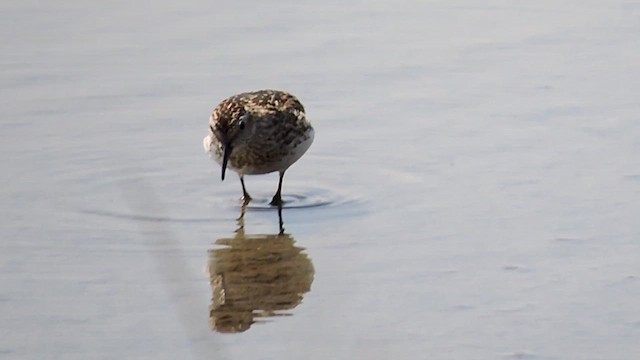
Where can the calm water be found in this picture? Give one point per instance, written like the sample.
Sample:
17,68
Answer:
477,165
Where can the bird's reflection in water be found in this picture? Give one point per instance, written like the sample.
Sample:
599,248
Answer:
256,276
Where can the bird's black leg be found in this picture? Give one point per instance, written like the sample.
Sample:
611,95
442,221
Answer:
277,198
245,195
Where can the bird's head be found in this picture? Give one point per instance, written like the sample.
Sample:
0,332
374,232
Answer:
231,124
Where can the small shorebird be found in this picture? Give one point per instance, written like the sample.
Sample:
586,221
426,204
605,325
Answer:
258,133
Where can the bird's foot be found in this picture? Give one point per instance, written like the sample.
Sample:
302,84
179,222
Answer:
276,201
246,199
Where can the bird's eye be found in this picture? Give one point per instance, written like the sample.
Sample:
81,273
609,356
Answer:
241,124
211,127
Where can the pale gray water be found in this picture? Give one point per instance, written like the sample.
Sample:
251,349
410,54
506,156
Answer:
481,161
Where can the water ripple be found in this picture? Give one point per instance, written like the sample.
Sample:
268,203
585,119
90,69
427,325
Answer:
310,198
139,217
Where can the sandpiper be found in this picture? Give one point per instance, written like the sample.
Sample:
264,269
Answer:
258,133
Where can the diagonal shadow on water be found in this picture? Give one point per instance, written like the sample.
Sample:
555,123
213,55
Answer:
256,276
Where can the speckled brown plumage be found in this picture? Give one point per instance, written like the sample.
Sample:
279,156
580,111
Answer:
258,132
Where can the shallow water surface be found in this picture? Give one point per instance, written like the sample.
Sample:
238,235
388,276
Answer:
472,191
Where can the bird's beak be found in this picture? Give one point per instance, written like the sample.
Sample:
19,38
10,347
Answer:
225,158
